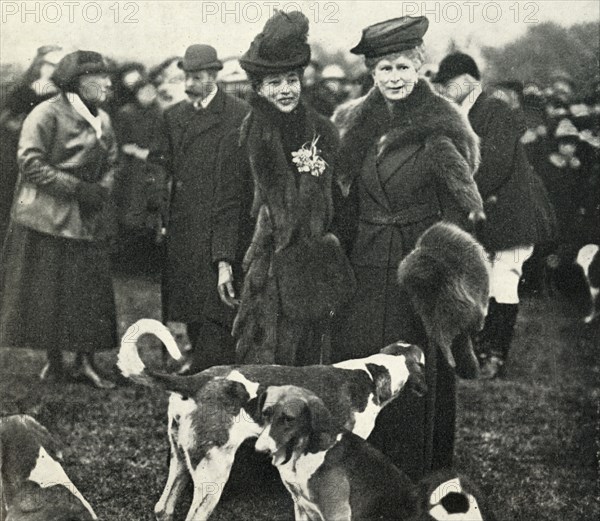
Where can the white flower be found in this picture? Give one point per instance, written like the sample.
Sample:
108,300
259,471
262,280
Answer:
307,159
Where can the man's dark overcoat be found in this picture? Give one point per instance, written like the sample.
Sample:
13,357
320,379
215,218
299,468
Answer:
517,206
401,173
188,146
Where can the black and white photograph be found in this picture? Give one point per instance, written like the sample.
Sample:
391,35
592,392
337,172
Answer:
300,260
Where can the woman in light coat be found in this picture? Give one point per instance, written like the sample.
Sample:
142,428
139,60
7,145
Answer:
55,276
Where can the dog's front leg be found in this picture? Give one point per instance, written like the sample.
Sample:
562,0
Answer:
210,477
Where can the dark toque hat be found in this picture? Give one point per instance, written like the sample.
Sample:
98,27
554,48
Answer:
398,34
455,65
200,57
77,64
280,47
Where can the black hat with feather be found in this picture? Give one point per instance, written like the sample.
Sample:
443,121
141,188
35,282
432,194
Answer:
281,46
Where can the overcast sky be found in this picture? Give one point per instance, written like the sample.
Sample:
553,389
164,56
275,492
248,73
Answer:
150,31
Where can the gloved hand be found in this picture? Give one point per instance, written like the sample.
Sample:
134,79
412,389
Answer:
91,196
225,285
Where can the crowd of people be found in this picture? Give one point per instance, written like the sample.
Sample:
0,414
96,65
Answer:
248,171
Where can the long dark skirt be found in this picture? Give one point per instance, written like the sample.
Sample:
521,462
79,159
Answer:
56,293
416,433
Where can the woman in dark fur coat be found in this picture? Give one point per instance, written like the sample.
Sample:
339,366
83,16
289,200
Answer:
407,160
296,273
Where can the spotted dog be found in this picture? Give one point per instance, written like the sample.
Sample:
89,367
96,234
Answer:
213,412
332,475
448,496
34,486
588,259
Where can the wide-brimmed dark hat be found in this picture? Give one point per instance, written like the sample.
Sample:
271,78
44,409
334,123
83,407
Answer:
281,46
454,65
76,64
199,57
398,34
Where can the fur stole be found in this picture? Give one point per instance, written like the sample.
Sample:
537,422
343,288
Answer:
296,203
423,117
294,268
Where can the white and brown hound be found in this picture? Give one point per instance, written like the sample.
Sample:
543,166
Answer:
213,412
34,486
448,496
588,258
332,475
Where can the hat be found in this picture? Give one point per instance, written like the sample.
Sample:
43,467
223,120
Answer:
77,64
398,34
455,65
566,130
281,46
200,57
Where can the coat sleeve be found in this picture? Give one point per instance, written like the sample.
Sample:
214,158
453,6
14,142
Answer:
159,168
33,157
454,179
499,141
231,198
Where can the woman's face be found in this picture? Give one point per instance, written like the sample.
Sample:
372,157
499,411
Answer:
94,88
395,77
282,90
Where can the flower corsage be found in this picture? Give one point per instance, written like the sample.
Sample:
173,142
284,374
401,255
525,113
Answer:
307,159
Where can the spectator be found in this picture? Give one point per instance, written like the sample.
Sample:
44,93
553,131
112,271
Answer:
296,272
186,150
56,284
406,162
516,205
135,124
34,87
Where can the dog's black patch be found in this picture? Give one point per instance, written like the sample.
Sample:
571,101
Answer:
455,503
382,381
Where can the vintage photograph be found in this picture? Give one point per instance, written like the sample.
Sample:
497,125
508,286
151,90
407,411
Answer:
299,261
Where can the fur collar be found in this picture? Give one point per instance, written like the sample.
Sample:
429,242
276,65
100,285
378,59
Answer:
294,200
422,116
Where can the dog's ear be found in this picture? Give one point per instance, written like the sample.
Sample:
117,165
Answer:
321,424
416,383
382,382
260,403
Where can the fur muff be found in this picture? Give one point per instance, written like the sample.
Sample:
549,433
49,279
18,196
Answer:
423,117
293,266
447,278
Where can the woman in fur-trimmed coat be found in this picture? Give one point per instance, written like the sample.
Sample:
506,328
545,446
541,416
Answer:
406,162
296,273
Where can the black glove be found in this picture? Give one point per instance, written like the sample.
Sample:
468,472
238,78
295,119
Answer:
91,196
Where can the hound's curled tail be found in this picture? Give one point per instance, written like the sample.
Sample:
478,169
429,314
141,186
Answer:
132,366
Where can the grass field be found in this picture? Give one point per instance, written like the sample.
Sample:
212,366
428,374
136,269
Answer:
530,441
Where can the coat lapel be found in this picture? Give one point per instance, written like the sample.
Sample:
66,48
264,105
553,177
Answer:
392,161
195,122
370,178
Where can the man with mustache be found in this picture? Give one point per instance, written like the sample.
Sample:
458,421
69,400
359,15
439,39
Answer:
186,153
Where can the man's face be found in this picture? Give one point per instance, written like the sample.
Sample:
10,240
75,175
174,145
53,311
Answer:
199,84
